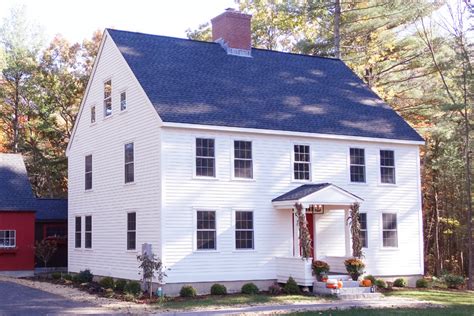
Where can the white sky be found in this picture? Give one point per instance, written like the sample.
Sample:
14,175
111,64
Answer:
77,20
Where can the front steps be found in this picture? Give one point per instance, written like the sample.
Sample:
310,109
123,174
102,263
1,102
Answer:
350,289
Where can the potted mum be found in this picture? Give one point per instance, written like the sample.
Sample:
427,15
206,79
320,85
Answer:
355,267
320,269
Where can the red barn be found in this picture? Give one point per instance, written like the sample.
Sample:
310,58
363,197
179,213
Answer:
17,217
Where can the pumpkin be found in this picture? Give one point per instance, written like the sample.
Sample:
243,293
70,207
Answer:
339,284
367,283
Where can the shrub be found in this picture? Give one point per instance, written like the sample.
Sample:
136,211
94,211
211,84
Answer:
67,277
85,276
453,281
187,291
107,283
133,288
75,278
355,267
249,288
381,283
120,285
291,287
422,283
56,275
320,268
275,289
218,289
400,282
370,277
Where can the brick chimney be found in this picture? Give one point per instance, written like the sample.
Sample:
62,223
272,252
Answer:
232,30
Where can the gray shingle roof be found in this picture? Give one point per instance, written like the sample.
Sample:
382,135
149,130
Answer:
15,187
305,190
198,83
51,209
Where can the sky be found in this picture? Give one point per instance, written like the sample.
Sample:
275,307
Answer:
77,20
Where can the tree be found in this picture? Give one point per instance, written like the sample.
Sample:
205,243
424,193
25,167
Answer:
45,250
149,266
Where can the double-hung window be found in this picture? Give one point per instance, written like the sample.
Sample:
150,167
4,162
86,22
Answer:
357,164
129,163
123,101
387,166
131,230
92,114
363,229
244,236
7,239
205,157
243,166
78,234
88,232
206,230
107,98
302,162
389,230
88,172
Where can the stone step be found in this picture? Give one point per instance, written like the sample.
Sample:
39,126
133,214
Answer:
343,277
345,284
345,292
359,296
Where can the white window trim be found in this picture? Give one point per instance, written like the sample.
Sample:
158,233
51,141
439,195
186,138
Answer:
126,100
134,162
81,231
293,144
196,177
92,172
205,209
379,161
136,231
233,227
382,247
83,227
9,247
105,117
232,158
366,182
366,230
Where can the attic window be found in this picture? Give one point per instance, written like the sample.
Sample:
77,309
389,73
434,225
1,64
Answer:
123,101
108,98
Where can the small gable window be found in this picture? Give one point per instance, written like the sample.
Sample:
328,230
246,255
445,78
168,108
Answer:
93,114
107,98
243,159
7,239
129,163
302,162
205,157
88,172
357,165
123,101
387,166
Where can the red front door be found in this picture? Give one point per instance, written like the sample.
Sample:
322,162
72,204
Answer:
309,220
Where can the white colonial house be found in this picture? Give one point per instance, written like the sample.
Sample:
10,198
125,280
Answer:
202,150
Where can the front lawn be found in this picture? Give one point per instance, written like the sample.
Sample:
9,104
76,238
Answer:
235,300
457,303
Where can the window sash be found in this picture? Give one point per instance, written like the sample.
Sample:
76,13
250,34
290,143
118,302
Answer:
78,231
387,166
131,231
92,114
7,238
123,101
363,229
88,232
206,237
357,164
129,163
243,162
108,98
88,172
205,157
389,230
302,162
244,230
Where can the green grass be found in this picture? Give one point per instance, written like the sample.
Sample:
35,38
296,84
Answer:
210,301
457,303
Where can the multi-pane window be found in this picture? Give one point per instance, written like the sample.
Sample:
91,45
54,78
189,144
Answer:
92,114
302,162
131,230
243,159
206,230
389,230
107,98
123,101
78,232
7,239
387,166
363,229
244,230
88,172
357,164
88,232
129,163
205,157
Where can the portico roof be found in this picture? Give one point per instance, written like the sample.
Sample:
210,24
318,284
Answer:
318,193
